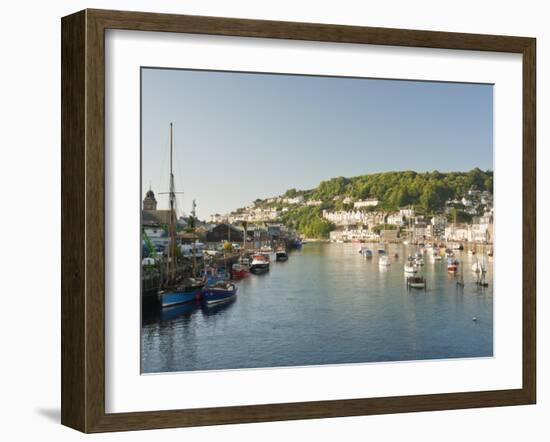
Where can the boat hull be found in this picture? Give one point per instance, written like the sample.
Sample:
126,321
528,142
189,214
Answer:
415,282
258,269
365,253
239,274
212,296
281,257
169,298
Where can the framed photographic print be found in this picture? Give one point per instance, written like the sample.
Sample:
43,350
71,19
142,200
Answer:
268,220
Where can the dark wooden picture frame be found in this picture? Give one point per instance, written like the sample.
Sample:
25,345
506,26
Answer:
83,220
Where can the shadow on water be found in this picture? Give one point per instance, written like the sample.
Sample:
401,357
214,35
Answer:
171,313
168,314
216,309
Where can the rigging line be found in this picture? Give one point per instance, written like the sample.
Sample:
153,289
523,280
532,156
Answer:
180,176
164,154
175,153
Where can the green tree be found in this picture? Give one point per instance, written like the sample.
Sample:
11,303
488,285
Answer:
291,193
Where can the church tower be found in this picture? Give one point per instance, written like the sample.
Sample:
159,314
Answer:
149,202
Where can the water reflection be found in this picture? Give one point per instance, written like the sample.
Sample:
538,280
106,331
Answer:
328,305
174,312
216,309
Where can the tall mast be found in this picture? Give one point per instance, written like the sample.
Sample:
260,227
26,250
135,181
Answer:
172,227
172,189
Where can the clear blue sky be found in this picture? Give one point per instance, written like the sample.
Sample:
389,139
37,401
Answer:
242,136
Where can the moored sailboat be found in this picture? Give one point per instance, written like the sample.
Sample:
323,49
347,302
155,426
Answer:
175,289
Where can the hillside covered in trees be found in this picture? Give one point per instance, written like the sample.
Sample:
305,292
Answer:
427,192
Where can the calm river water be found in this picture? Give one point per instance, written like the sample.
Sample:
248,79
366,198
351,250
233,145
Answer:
327,305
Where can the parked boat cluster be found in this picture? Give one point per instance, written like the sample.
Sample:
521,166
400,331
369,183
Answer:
414,263
216,284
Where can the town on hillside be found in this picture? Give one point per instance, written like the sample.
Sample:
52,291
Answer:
444,209
361,223
452,208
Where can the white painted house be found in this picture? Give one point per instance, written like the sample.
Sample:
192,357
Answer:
395,219
369,202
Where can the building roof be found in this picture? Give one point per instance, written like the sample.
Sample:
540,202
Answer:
187,235
155,217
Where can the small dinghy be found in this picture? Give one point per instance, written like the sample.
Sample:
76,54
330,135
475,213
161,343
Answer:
416,282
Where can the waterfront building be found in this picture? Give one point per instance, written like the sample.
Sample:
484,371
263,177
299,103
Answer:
389,235
395,219
457,232
349,235
354,217
225,232
259,234
478,233
438,222
275,230
421,230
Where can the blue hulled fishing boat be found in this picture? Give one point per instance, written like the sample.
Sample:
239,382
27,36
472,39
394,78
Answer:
218,293
181,293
